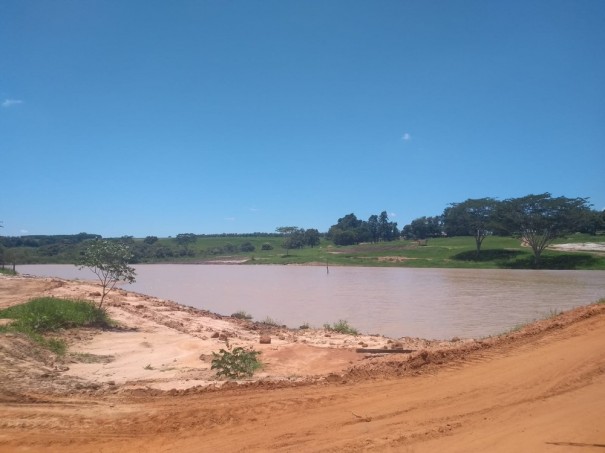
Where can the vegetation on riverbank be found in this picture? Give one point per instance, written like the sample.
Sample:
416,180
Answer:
41,317
443,252
515,233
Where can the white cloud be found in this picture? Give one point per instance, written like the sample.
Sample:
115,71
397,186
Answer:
230,219
23,231
11,102
253,209
406,137
392,214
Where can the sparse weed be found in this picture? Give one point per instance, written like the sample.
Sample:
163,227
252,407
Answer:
270,322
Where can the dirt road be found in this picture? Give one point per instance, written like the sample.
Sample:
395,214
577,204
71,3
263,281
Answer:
540,391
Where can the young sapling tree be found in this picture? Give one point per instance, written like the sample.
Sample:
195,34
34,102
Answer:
109,261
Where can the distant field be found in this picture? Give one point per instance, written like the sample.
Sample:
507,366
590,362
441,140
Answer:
455,252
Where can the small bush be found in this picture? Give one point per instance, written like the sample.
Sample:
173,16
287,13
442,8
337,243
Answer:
266,246
237,364
305,326
241,314
247,247
229,248
342,326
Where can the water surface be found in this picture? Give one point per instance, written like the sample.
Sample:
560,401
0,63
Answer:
428,303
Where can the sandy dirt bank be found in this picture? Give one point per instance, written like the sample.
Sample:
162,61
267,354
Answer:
147,386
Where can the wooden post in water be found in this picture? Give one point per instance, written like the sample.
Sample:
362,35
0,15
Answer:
327,267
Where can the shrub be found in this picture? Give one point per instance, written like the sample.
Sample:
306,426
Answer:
342,326
247,247
237,364
241,314
229,248
266,246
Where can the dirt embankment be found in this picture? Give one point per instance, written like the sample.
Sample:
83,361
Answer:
538,389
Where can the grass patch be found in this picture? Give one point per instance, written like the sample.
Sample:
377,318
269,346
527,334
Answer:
342,326
5,271
45,315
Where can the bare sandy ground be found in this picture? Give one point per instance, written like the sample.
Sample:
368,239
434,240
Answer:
580,247
164,345
148,387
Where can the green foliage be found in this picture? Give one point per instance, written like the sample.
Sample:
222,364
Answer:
342,326
241,314
236,364
186,239
440,252
109,262
350,230
424,228
539,219
47,314
473,217
247,247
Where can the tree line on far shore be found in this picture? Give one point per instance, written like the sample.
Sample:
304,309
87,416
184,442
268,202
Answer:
536,219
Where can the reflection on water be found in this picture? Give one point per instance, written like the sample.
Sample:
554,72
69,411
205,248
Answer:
428,303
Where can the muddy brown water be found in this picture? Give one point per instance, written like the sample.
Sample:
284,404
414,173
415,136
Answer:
396,302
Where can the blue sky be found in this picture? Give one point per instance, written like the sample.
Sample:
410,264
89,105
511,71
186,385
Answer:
158,118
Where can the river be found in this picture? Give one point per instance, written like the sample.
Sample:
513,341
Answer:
396,302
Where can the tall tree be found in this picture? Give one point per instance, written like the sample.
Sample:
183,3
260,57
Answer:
311,237
473,217
387,231
374,228
348,230
540,219
424,227
290,234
